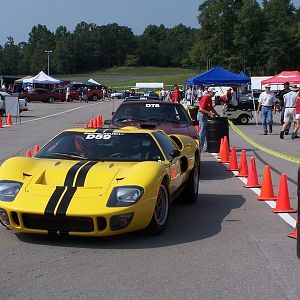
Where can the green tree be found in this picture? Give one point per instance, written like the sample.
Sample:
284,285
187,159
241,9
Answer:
214,43
279,45
9,57
248,36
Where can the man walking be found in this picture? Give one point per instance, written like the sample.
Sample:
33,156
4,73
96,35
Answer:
289,101
286,89
266,102
205,109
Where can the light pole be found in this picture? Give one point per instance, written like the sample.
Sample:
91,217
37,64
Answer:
48,54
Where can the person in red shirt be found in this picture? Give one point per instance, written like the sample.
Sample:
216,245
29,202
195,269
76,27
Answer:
297,119
205,109
176,94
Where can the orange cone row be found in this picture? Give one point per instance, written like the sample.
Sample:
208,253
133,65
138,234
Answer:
282,200
96,122
36,149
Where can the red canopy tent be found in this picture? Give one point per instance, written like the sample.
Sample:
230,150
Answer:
285,76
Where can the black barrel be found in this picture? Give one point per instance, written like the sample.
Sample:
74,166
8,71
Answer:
216,129
298,223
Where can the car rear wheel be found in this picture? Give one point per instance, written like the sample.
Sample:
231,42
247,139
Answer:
51,100
243,119
94,98
161,212
190,192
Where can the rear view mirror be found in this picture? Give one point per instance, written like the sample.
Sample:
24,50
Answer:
107,122
174,153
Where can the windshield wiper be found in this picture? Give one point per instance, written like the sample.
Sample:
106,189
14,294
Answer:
129,119
163,120
71,155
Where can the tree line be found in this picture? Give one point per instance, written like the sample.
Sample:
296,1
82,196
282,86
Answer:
259,38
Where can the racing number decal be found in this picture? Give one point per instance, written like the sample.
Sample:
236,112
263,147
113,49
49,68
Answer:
98,136
152,105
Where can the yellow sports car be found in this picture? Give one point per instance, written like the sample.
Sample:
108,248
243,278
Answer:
99,182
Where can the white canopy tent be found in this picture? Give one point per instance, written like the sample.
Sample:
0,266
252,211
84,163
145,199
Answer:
91,80
41,78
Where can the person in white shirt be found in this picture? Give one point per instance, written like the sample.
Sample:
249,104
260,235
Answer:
188,96
266,102
289,100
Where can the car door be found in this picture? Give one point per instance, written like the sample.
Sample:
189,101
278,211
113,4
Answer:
168,146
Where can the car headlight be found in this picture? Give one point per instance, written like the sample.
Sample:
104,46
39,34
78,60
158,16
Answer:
9,190
125,196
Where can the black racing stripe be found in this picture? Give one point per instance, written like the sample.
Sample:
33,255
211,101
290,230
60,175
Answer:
49,210
65,201
83,172
72,172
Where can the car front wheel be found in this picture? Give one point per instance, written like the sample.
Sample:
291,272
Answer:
161,212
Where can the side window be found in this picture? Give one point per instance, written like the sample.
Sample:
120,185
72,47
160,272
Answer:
165,143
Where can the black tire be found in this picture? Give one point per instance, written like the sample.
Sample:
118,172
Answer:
243,119
94,97
190,192
160,216
51,100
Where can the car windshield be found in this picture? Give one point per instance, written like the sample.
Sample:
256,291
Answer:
152,112
103,145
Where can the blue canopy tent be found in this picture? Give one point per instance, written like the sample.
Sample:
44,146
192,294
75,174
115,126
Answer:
219,77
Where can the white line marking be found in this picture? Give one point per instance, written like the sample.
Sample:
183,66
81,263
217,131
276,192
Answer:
285,216
60,113
57,114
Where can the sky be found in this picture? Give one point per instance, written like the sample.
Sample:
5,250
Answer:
19,16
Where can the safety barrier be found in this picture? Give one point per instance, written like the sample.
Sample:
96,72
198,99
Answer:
248,139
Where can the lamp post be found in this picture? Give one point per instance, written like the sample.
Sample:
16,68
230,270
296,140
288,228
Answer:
48,54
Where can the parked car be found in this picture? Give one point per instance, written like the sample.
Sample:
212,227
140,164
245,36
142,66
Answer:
153,114
39,94
94,91
22,102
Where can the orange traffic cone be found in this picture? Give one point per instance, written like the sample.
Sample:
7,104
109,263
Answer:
233,165
224,155
1,126
294,234
91,123
252,180
9,120
86,126
221,146
267,192
28,153
36,149
99,121
95,122
243,168
283,198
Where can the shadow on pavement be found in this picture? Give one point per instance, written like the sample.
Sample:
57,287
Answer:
187,223
212,170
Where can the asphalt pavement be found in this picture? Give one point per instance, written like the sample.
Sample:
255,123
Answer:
226,246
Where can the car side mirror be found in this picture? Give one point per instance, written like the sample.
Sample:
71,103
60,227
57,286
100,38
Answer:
174,153
107,122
